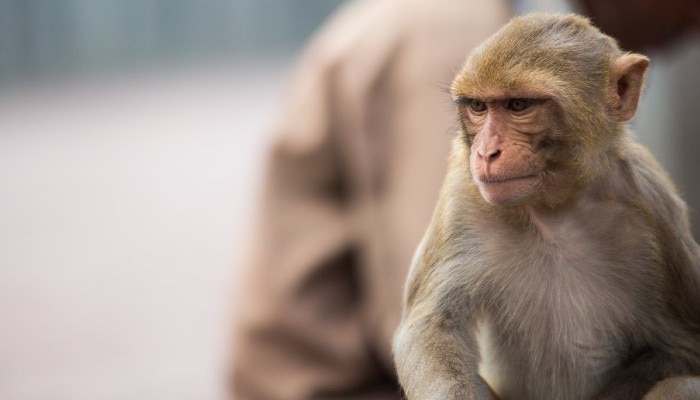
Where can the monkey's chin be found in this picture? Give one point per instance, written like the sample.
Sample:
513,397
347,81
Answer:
508,192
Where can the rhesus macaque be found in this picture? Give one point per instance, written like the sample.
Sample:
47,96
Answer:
559,263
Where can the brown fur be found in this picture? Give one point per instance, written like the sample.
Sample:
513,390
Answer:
582,279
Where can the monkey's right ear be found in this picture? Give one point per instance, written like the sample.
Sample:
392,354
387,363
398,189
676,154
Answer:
626,86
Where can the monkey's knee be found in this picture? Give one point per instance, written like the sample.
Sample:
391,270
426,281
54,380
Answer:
678,388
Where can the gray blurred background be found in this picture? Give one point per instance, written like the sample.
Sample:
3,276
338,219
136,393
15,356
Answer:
132,135
59,37
132,139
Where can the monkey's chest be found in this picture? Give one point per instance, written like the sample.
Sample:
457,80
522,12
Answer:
545,362
560,309
553,324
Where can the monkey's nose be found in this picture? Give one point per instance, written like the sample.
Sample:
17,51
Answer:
491,156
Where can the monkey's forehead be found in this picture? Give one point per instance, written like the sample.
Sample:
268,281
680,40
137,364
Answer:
531,84
547,31
495,95
538,52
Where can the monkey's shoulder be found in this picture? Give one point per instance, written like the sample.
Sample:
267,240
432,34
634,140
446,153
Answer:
641,180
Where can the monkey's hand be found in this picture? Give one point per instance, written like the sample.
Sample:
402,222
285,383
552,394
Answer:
678,388
651,377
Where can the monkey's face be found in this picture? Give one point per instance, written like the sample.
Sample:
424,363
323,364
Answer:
539,113
507,138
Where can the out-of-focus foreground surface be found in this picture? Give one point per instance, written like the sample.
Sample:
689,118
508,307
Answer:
127,185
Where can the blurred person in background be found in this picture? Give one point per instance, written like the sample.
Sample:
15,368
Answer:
352,181
351,185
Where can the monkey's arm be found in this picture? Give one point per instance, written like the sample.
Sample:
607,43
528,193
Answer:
437,361
434,347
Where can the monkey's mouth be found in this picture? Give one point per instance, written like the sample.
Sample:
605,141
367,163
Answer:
504,179
506,190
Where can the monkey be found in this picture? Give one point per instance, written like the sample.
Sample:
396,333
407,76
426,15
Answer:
559,262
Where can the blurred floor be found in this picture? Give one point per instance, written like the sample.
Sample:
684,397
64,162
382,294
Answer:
123,205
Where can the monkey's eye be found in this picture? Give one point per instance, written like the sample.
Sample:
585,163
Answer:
519,104
477,106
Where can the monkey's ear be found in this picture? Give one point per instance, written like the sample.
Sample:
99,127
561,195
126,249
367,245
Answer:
628,77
